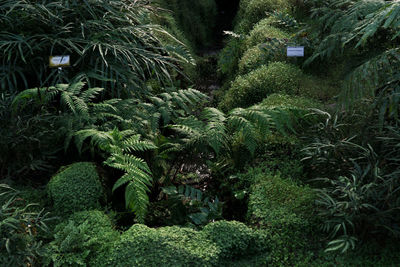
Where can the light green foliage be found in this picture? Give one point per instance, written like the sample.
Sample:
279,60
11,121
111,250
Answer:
253,87
283,101
263,31
82,240
252,59
216,244
254,11
137,175
262,54
265,43
235,239
167,246
76,187
73,97
285,210
274,192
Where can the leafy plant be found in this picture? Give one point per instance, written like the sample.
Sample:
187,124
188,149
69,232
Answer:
21,227
81,240
253,87
112,44
76,187
358,194
204,210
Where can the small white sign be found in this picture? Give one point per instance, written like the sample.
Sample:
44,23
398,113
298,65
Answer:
59,61
295,51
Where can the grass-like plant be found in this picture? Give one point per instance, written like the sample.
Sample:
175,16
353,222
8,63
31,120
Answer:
112,44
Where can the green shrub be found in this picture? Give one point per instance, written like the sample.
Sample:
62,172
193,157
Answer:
234,239
76,187
263,31
82,240
285,210
166,246
272,191
291,102
255,10
253,87
252,59
262,54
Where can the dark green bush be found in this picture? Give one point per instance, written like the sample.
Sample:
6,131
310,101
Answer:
234,239
83,240
253,87
166,246
76,187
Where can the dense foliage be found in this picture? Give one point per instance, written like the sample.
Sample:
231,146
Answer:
268,160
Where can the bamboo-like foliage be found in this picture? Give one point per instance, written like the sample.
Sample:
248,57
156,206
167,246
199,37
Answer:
112,44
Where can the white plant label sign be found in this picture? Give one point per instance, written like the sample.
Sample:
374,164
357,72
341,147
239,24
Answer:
295,51
59,61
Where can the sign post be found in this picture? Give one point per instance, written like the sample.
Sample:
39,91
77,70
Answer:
59,61
295,51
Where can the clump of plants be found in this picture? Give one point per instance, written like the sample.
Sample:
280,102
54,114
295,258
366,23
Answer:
76,187
253,87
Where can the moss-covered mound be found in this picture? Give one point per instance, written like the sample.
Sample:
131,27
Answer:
277,77
76,187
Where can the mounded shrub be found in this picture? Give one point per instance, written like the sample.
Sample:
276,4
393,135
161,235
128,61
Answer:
274,192
285,209
83,240
252,59
253,11
166,246
253,87
76,187
263,31
234,239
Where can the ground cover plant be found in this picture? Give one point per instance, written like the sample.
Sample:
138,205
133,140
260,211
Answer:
165,145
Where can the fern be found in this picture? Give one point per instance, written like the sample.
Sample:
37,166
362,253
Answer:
120,145
72,97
